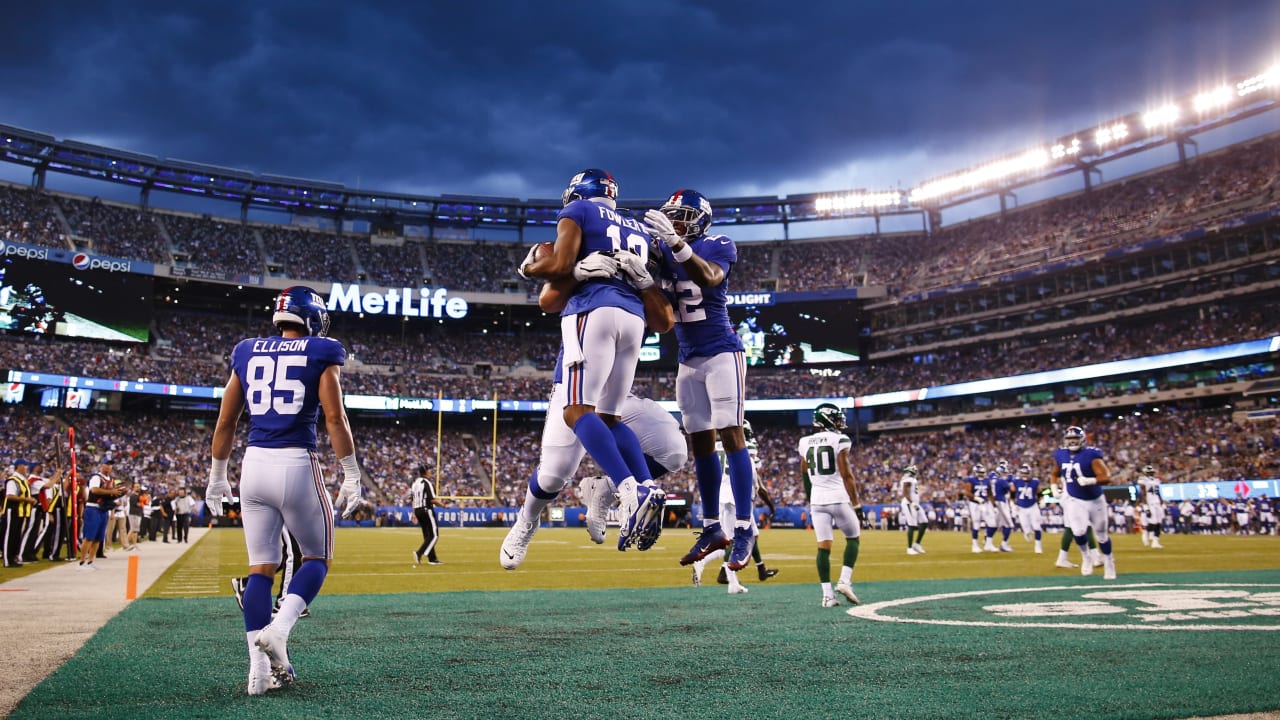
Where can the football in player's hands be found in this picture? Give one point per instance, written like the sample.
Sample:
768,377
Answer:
536,253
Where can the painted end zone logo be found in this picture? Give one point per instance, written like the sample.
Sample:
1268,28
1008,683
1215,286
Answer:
1143,606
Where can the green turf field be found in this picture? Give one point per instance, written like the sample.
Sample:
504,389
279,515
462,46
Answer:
585,631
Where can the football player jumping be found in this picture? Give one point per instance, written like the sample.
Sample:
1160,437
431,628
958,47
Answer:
657,432
602,329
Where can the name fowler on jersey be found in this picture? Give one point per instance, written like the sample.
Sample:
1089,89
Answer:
611,215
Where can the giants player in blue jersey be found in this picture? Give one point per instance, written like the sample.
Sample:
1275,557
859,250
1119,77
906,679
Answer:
710,384
1001,489
658,433
1082,469
284,380
602,329
1266,516
1026,500
977,490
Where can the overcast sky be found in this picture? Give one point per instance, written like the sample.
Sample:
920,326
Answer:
511,99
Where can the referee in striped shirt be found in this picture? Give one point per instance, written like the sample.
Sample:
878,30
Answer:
424,508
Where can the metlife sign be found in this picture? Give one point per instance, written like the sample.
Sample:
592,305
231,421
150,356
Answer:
408,302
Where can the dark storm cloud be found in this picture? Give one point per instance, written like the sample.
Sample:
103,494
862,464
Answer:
501,99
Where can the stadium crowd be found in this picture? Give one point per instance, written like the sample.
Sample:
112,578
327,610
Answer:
1160,202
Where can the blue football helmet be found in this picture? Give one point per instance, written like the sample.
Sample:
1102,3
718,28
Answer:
1024,470
589,184
828,416
690,208
979,470
1073,438
1002,467
303,306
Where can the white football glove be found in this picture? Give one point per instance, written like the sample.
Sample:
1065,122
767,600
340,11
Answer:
349,496
636,271
595,266
659,226
1056,490
528,260
1084,481
218,488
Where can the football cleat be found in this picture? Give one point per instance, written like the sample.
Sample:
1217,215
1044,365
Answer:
711,538
516,544
274,644
976,548
989,546
1108,567
1086,564
260,681
1155,544
722,577
416,558
598,494
1005,547
642,515
1065,564
237,589
830,601
918,548
737,589
912,551
698,567
765,574
846,590
740,555
1039,548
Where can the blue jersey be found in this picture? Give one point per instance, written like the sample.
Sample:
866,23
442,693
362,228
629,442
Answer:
605,230
1001,486
1264,505
1073,466
280,378
979,488
1241,507
1026,492
702,314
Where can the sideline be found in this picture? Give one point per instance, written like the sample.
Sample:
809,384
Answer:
55,611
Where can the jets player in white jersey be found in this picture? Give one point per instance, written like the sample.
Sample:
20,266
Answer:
284,380
910,514
1153,518
728,576
656,430
833,498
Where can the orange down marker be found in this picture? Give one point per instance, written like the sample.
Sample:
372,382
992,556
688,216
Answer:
131,580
